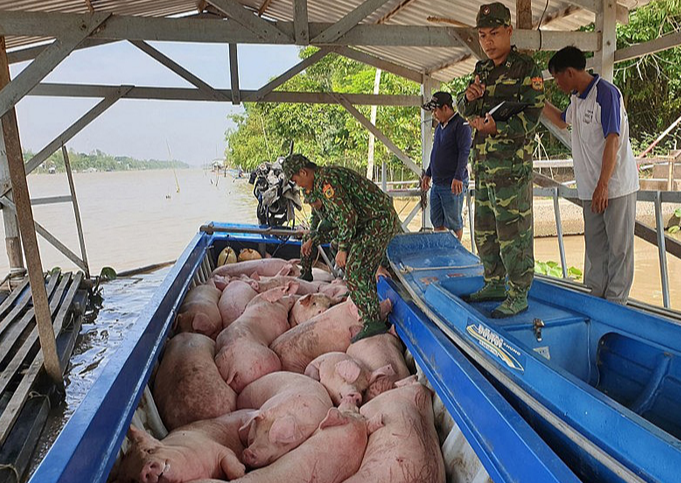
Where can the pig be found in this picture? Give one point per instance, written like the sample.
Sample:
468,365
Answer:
199,311
343,377
188,385
243,353
330,331
290,407
249,254
321,275
309,306
234,299
265,267
203,449
406,448
267,283
332,454
376,352
336,289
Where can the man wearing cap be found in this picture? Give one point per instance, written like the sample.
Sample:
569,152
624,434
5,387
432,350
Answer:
448,165
503,161
366,222
321,231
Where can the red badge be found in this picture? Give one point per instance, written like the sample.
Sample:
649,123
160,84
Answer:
485,10
328,191
537,83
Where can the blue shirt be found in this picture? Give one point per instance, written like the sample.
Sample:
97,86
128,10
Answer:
449,156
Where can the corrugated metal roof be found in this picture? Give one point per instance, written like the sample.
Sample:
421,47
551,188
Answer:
442,63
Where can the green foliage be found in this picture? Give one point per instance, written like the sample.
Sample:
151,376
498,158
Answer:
101,161
108,273
553,269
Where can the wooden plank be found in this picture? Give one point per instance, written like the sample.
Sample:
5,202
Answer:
349,21
665,42
10,370
7,303
18,308
248,19
12,334
301,28
234,74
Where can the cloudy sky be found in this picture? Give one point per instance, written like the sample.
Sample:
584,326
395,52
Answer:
194,131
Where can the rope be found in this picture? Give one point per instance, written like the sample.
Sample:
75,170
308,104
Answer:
408,269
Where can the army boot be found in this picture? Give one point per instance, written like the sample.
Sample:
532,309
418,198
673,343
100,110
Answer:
306,275
370,329
513,305
491,291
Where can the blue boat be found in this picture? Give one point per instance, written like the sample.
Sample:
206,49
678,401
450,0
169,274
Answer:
600,382
500,441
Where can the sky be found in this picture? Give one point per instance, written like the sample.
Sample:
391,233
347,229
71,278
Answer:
193,132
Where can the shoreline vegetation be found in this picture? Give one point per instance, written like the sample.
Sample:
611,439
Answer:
98,161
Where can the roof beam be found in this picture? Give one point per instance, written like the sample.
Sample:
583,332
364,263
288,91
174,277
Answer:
665,42
394,11
344,101
234,74
379,63
340,28
47,61
186,94
448,64
218,30
301,27
176,68
255,24
299,67
265,5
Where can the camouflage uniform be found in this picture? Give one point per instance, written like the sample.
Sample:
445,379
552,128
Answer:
366,222
503,171
322,231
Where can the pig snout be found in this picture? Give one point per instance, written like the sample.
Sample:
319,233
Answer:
352,397
153,471
249,458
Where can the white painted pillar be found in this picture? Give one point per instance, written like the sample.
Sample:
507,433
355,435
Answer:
427,87
606,23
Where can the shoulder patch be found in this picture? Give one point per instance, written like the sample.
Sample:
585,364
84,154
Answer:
537,83
328,190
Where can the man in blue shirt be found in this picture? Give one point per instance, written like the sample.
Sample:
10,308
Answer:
448,165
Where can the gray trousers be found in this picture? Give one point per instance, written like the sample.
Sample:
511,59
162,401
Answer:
609,255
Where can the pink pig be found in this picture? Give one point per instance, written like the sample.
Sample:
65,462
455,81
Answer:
309,306
188,385
329,331
242,348
406,449
204,449
376,352
266,267
332,454
290,406
199,311
343,377
234,299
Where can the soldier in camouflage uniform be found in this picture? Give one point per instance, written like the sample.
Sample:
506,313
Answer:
366,222
321,231
503,161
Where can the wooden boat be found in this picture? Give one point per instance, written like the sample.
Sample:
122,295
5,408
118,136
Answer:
599,381
483,436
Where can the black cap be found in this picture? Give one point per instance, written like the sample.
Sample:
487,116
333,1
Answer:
439,99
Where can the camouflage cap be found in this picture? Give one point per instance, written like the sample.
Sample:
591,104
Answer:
293,163
493,15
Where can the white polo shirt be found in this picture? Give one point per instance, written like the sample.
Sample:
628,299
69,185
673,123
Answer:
593,115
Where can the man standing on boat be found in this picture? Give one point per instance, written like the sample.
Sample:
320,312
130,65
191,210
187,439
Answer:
448,165
503,161
605,170
321,232
366,222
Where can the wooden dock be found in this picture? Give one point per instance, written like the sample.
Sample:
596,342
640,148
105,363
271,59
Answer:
26,394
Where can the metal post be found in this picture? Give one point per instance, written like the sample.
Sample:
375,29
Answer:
471,217
384,175
12,240
659,227
427,87
76,210
559,231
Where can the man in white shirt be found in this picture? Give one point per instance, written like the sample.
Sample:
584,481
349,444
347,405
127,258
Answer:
605,170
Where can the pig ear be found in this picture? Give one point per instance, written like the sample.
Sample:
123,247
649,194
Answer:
138,436
274,294
375,423
285,270
285,430
246,427
353,308
348,370
305,300
312,370
255,276
292,287
333,418
386,370
393,331
407,381
202,324
220,282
